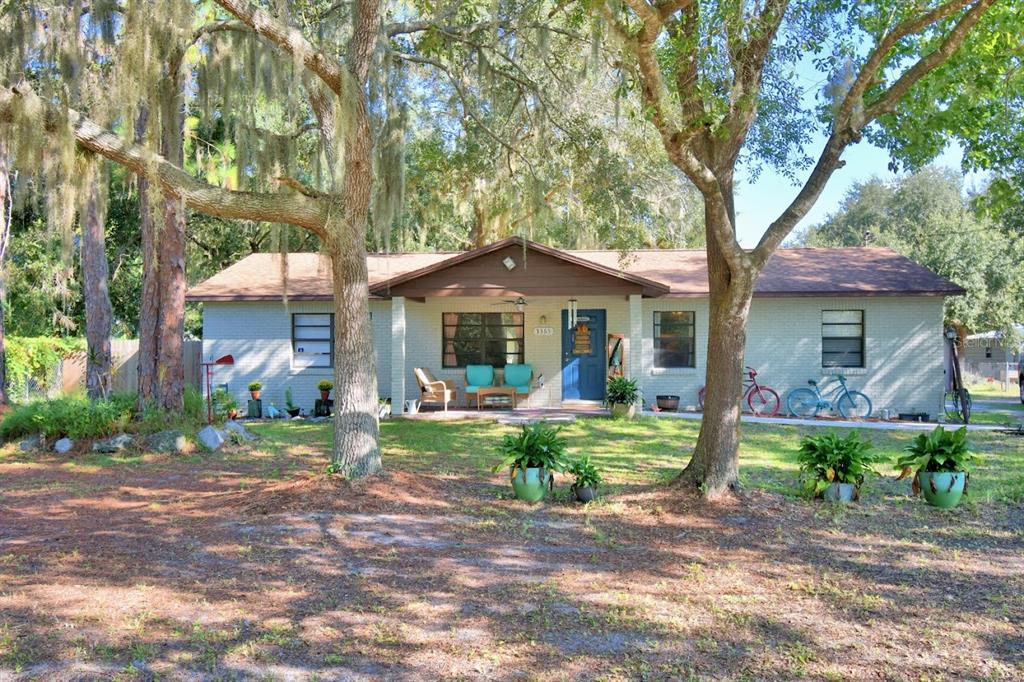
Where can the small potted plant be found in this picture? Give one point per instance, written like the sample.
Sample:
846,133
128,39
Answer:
531,456
325,386
255,389
587,479
622,396
834,467
224,405
938,462
289,403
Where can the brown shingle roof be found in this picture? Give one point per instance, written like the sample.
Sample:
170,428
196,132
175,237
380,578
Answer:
790,272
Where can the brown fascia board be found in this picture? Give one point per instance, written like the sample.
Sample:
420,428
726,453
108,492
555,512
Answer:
651,288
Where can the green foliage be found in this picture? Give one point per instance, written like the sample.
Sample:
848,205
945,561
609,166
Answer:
34,361
195,405
71,416
623,391
289,400
223,403
586,473
535,446
830,458
325,385
255,385
940,450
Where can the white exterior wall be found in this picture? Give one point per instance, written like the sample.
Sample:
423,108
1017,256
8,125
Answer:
903,346
902,349
258,334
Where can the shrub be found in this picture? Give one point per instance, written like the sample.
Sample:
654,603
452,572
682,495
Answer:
73,416
255,385
325,385
195,405
622,391
223,404
34,360
289,400
829,458
535,446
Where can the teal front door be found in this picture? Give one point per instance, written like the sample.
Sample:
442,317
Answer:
583,356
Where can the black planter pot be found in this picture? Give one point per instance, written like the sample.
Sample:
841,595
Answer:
585,494
668,403
913,416
294,412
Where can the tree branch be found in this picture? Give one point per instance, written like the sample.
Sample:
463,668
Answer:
842,136
289,39
294,209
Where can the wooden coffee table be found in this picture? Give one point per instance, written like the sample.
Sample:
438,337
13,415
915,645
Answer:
506,393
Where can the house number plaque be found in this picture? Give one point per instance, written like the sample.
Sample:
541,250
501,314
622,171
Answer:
543,331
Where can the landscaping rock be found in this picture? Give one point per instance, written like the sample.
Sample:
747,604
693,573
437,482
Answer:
243,433
63,445
31,443
115,444
167,441
211,438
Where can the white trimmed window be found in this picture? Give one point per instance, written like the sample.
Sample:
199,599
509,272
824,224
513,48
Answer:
842,338
675,339
312,340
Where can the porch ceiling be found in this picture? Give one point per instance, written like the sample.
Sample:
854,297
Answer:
539,271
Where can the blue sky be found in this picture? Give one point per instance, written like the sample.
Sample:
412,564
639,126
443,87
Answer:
759,203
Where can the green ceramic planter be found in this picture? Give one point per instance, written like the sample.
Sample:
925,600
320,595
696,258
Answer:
530,484
942,489
623,410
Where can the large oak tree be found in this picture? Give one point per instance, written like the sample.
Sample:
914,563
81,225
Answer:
720,82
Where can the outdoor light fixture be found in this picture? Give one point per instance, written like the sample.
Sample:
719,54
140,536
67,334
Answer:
509,263
543,320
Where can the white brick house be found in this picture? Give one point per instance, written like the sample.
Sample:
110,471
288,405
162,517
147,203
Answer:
869,314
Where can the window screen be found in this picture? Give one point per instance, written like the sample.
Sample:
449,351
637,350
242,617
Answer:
842,338
312,340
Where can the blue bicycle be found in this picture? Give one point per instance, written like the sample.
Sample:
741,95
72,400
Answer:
808,402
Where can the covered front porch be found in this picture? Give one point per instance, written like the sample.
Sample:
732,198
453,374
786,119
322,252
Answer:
568,320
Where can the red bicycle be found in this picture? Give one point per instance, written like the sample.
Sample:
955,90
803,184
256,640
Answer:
762,400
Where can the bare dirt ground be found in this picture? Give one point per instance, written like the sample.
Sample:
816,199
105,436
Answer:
198,567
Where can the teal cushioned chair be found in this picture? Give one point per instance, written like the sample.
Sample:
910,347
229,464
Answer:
518,376
477,376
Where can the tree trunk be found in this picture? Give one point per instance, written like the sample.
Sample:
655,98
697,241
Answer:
356,429
149,305
98,312
5,235
171,322
714,467
162,309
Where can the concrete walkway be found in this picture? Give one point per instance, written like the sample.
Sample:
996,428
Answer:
838,423
525,415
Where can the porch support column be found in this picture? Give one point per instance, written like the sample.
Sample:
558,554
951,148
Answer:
636,337
398,354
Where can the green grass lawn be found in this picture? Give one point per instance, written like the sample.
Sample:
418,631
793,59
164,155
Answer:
993,389
652,450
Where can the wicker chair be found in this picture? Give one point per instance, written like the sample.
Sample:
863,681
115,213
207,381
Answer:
434,390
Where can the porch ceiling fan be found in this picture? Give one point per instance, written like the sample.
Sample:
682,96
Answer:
519,302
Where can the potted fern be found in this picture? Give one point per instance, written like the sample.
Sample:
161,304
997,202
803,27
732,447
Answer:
834,467
938,462
532,456
587,479
255,389
622,396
